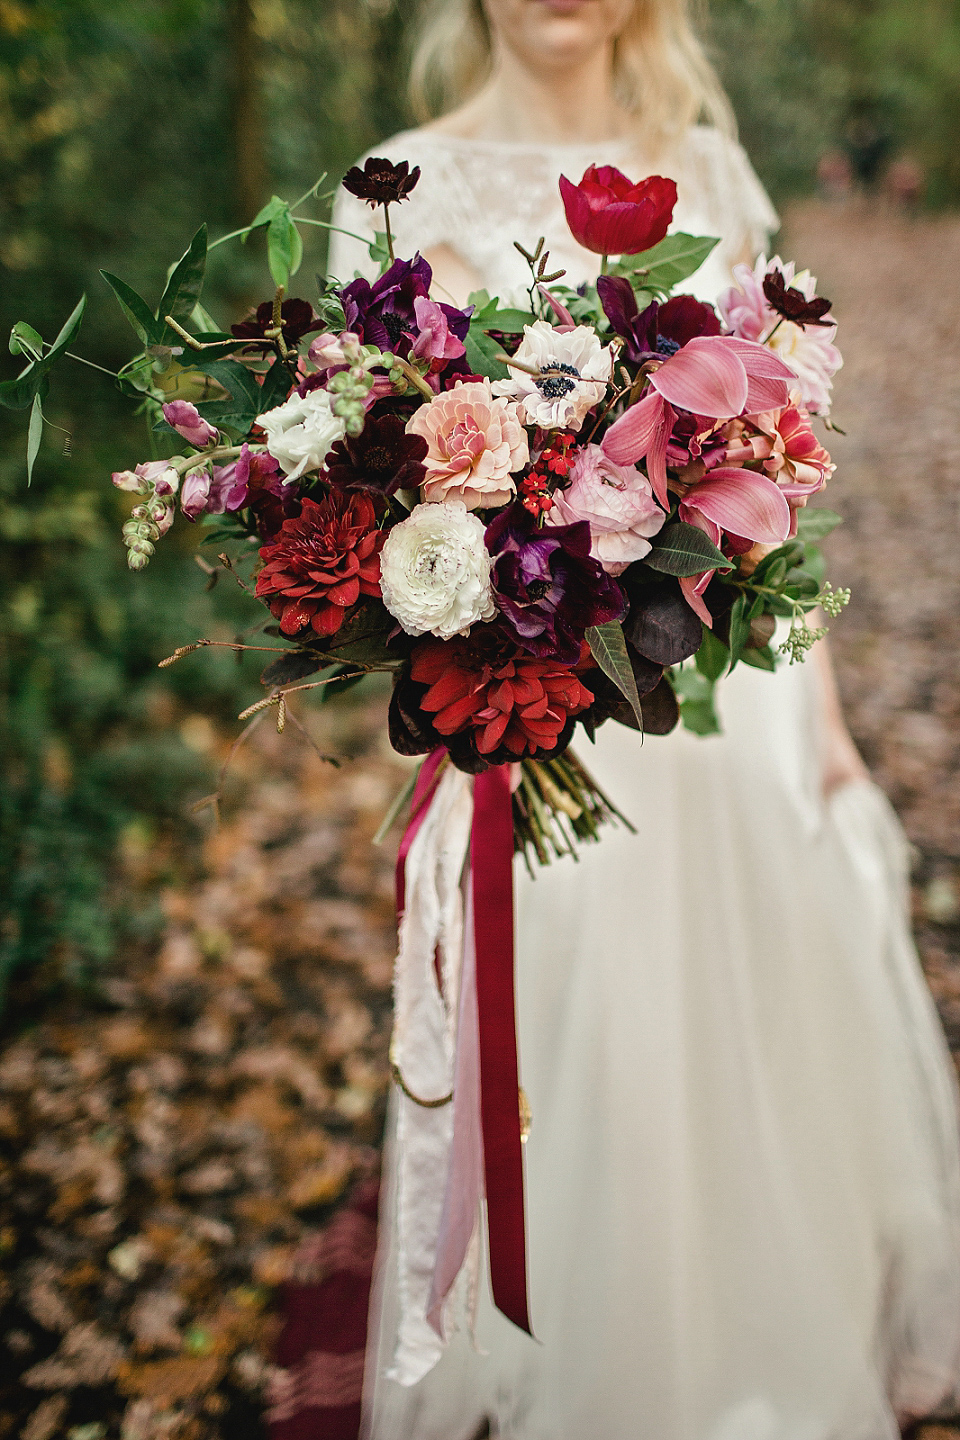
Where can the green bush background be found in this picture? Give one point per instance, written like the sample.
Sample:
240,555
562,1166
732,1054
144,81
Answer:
121,128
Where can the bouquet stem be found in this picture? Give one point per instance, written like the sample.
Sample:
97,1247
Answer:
557,806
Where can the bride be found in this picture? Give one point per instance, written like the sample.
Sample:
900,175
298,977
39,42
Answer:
743,1174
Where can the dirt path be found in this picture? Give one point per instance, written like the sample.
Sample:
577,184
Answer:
168,1150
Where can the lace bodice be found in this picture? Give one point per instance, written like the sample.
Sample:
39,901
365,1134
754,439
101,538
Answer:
478,196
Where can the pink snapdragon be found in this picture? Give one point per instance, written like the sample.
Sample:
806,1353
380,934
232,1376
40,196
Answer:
436,341
157,477
220,489
190,424
616,501
808,350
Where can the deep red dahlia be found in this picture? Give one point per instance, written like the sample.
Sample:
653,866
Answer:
507,698
322,561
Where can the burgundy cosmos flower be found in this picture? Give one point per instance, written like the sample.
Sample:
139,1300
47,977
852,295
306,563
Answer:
659,329
380,182
487,690
296,320
383,457
321,563
793,304
610,215
546,584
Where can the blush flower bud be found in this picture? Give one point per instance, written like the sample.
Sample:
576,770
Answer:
190,424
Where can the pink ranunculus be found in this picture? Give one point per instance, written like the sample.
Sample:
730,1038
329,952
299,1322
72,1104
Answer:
475,444
435,341
610,215
808,350
616,501
188,422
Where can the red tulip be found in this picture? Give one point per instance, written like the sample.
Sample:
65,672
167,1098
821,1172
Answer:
610,215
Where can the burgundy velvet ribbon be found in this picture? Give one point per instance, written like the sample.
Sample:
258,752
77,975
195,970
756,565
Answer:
491,869
491,862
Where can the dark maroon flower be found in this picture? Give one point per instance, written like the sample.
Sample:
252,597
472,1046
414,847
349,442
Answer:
659,329
382,314
486,699
546,584
380,182
296,320
793,304
321,563
610,215
270,498
383,457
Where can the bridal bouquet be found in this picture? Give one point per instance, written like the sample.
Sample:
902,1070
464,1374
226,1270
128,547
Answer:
586,509
589,507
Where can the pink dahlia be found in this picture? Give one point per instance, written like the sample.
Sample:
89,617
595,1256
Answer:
807,349
617,503
475,443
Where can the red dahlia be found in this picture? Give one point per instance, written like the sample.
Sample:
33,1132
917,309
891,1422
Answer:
506,697
321,562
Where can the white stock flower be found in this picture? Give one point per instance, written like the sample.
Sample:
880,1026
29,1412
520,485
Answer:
561,401
301,431
435,571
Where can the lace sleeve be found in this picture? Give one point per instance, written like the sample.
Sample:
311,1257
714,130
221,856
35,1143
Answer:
440,208
741,209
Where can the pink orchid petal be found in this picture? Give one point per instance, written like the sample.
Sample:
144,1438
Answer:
742,502
630,437
705,377
693,587
643,430
757,359
764,393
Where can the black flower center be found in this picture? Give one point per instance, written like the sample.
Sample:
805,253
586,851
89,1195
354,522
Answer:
394,324
554,387
379,459
665,346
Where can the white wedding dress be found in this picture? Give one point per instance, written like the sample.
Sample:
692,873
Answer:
743,1178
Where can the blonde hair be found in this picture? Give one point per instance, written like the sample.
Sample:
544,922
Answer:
661,70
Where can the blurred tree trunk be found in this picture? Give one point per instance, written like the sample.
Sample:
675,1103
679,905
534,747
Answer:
247,120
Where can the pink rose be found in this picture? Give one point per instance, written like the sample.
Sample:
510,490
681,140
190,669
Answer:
616,501
188,422
475,443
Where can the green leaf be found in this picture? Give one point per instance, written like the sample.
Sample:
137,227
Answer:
34,435
763,659
665,265
713,657
609,649
19,393
482,354
24,340
238,380
777,573
682,549
280,247
815,524
186,281
276,384
378,251
273,207
815,562
136,309
511,322
696,696
739,629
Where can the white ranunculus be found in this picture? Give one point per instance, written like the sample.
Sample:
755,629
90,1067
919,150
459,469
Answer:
562,400
301,431
435,571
